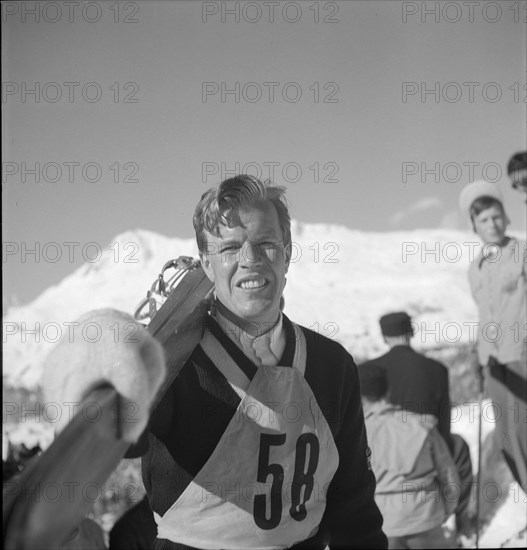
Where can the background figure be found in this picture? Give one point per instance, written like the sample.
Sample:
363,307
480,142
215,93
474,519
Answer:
498,283
420,385
517,171
417,480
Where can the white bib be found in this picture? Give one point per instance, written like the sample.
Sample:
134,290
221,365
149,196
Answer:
265,484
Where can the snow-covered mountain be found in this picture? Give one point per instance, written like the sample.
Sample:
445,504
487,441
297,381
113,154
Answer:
339,283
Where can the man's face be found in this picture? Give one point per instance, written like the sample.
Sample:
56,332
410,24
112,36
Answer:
519,179
247,265
490,225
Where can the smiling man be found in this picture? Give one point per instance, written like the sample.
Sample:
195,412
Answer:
498,281
260,441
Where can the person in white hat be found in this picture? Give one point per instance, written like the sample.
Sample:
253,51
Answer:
498,279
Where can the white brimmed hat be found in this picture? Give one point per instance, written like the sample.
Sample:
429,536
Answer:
475,190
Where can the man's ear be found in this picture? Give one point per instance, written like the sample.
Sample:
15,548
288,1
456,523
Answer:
207,268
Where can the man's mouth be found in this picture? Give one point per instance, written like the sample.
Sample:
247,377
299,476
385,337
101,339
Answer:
252,284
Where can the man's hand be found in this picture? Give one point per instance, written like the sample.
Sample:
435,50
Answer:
109,348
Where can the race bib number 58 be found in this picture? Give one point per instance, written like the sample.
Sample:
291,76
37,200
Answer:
268,509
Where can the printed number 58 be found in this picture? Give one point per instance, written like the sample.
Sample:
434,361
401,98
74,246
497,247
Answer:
303,481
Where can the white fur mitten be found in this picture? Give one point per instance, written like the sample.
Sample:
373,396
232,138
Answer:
106,346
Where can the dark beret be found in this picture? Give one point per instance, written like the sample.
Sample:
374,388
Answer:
396,324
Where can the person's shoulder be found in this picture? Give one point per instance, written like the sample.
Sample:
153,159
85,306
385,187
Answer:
330,370
434,363
435,369
317,341
517,247
410,421
395,419
395,356
332,376
514,240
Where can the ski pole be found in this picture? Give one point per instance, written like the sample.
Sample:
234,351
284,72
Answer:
478,475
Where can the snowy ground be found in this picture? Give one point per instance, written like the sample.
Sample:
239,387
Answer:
509,522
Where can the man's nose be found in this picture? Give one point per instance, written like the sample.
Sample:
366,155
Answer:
251,254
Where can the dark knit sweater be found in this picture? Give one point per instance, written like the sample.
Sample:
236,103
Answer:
195,412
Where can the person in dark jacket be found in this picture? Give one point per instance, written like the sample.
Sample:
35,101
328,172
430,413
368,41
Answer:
420,385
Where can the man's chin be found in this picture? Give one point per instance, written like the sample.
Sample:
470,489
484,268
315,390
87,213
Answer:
496,241
256,317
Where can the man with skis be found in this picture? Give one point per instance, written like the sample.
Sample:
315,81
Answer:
260,440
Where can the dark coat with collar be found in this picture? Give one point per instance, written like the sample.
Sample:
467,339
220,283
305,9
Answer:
418,384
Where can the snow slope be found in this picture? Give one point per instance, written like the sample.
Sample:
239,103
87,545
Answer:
339,283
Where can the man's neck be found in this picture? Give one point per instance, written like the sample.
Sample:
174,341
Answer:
254,328
265,347
504,242
369,406
394,341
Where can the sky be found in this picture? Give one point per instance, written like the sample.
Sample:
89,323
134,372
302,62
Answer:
374,115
